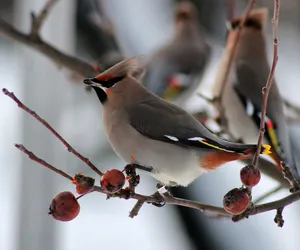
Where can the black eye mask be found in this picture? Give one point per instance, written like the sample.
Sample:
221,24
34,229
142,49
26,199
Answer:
107,83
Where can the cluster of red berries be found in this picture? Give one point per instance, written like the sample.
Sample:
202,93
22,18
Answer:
237,200
65,207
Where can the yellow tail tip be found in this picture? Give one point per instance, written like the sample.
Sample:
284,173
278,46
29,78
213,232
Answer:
266,149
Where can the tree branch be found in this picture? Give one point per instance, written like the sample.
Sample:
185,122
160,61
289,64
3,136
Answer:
34,41
222,78
266,89
33,157
288,175
124,194
225,68
53,131
274,205
135,210
38,20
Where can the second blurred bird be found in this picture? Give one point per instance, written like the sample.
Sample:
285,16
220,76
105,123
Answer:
176,68
241,97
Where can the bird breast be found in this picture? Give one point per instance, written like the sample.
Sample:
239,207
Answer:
170,163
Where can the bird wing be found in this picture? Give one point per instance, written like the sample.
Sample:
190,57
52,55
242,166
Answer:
249,89
160,120
171,60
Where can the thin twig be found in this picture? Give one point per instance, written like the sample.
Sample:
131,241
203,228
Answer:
53,131
226,66
266,89
33,157
274,205
279,218
288,175
135,210
38,20
231,51
58,57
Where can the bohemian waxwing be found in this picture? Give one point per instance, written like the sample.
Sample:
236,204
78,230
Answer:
163,138
242,94
175,69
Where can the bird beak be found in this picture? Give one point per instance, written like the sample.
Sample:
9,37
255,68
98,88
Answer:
91,82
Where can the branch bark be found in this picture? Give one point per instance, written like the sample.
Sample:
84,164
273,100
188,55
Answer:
267,88
35,42
125,194
52,130
38,20
222,78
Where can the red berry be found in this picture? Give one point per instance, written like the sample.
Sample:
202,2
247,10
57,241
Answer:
250,176
112,180
64,206
236,201
84,184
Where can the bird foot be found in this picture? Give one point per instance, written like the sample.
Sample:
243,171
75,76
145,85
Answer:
132,177
160,200
161,193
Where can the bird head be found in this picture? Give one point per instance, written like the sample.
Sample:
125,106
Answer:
253,26
111,81
256,20
185,11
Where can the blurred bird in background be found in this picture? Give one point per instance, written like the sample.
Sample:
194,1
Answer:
176,68
241,97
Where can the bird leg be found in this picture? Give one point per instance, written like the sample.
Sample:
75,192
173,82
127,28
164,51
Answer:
132,177
162,192
144,168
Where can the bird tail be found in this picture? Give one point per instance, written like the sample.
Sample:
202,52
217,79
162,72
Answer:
265,149
133,66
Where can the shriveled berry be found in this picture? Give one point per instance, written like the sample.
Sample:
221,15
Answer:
84,184
64,206
236,201
112,180
250,176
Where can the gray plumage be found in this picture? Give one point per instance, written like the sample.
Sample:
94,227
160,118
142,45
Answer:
186,53
157,133
249,76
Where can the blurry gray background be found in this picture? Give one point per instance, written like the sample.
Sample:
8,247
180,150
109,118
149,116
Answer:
27,189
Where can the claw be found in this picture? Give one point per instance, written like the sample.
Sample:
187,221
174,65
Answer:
160,200
159,204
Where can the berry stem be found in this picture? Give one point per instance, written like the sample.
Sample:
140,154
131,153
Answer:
135,210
